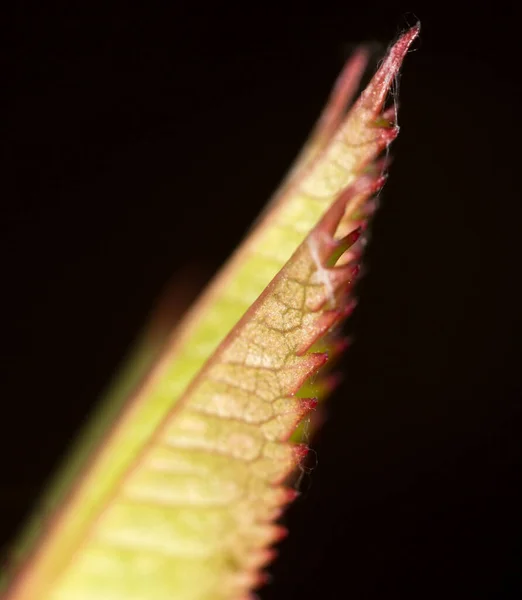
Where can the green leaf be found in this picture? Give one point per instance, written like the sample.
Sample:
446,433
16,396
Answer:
180,496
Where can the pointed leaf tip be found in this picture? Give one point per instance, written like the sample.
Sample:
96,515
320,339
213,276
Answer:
374,95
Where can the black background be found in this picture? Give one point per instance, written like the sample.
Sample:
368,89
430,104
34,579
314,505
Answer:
138,141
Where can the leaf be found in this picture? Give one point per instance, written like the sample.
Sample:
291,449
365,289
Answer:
180,497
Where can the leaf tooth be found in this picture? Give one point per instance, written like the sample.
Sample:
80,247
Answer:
281,427
261,537
262,579
288,456
330,382
252,577
300,452
293,377
379,166
276,496
342,245
361,220
338,346
333,279
242,581
353,195
379,140
350,201
259,559
264,534
325,322
307,404
333,344
388,116
271,500
377,183
326,381
357,215
279,533
388,134
275,463
349,239
291,495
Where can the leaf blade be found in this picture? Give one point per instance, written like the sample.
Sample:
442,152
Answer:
315,188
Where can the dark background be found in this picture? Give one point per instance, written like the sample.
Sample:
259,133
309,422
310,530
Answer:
137,141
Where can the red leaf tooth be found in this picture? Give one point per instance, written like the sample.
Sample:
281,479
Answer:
308,366
378,183
303,407
354,195
339,345
280,428
300,452
291,495
323,324
262,579
278,533
353,256
389,115
349,307
372,184
357,215
341,246
308,404
257,560
350,239
365,212
379,166
333,279
274,514
355,272
336,346
248,579
388,135
330,382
